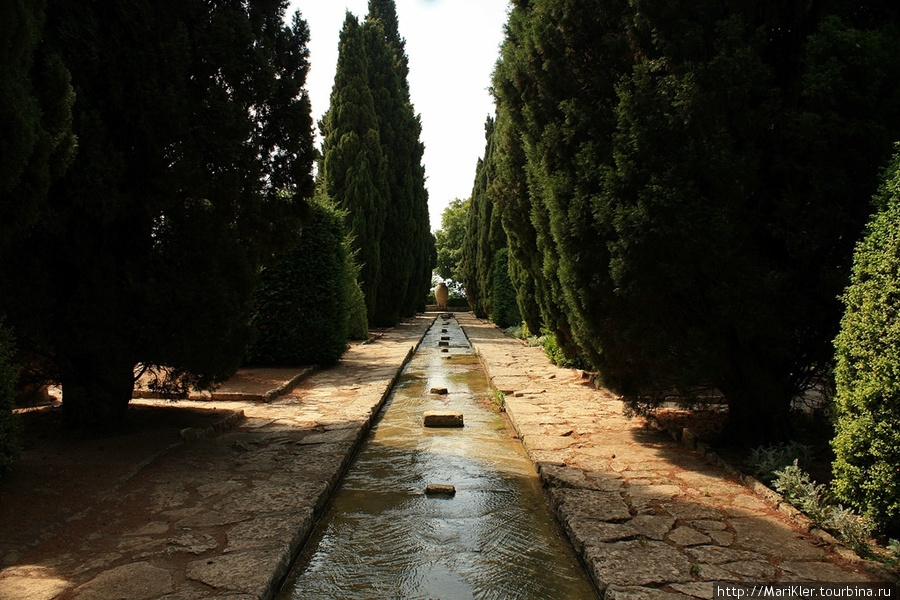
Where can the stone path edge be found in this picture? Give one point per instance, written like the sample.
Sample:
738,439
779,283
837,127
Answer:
189,434
689,440
301,537
552,470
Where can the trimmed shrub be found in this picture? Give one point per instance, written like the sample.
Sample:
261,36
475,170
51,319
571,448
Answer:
457,302
357,321
301,306
10,427
867,441
557,355
504,307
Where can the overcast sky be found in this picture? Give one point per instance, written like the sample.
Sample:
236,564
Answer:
452,46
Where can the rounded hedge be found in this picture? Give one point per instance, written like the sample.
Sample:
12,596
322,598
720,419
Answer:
301,306
867,372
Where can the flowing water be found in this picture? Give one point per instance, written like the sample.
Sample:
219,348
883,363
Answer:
383,537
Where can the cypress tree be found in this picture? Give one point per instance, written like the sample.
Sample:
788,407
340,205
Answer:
696,172
484,232
353,166
407,270
194,156
36,96
733,246
555,87
509,192
397,255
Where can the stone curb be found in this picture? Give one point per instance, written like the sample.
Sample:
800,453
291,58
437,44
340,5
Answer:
267,396
187,435
688,439
190,434
289,386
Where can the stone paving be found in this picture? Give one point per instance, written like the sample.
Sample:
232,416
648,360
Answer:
650,518
223,513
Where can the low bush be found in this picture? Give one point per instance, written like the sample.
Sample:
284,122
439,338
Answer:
556,355
357,320
797,488
302,305
764,461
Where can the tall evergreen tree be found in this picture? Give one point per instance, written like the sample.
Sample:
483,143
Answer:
194,155
556,86
735,246
484,232
407,268
396,254
353,166
696,174
36,139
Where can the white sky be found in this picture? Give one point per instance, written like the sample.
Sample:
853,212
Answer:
452,46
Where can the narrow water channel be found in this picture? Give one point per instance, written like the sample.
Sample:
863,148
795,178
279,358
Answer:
383,537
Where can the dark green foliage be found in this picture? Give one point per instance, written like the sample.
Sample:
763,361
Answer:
503,296
696,173
556,354
406,257
357,321
484,233
555,87
867,444
396,253
36,140
10,428
353,165
457,302
194,157
449,239
372,166
732,246
301,307
509,191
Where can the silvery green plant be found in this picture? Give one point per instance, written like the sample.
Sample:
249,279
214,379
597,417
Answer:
765,460
795,485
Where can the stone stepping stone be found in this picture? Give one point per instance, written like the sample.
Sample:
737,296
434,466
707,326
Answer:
440,489
445,338
443,343
440,390
443,419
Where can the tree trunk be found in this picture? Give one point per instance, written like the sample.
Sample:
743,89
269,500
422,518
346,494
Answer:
757,413
96,392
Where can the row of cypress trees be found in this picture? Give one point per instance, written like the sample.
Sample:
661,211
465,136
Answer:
681,184
371,166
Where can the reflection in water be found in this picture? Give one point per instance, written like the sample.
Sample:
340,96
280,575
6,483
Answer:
383,538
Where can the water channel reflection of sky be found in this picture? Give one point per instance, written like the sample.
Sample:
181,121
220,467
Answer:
384,538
